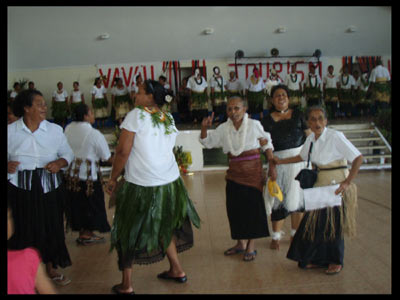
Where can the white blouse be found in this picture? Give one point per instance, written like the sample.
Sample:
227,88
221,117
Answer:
36,149
76,96
259,86
216,82
293,85
193,86
346,81
87,143
119,92
98,92
60,97
151,161
314,78
235,85
379,72
221,136
331,81
271,83
330,146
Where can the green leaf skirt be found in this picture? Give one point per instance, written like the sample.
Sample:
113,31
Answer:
147,218
60,110
255,101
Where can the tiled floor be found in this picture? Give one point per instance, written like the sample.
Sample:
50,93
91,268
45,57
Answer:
367,262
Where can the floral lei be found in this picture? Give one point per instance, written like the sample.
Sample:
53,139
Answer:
309,80
158,117
341,79
242,135
291,77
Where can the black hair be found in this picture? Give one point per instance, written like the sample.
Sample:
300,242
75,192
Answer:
75,82
117,79
30,82
162,78
137,76
79,112
157,90
277,87
22,100
15,84
96,80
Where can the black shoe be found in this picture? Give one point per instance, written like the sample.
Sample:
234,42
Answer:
164,275
118,292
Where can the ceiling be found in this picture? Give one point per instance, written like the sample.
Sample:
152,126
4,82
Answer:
56,36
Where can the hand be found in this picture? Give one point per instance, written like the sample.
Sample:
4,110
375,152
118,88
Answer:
53,167
111,184
12,166
272,174
342,188
207,122
275,160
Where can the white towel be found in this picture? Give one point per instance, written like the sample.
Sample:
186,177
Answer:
321,197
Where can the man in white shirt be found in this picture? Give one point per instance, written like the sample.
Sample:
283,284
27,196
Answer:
380,86
198,105
293,82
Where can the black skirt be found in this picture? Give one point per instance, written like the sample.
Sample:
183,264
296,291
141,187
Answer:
246,212
39,221
321,250
87,213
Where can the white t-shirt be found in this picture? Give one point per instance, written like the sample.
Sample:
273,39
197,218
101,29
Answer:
331,145
98,92
193,86
346,82
76,96
259,86
13,94
235,85
270,83
151,161
119,92
36,149
379,72
330,81
219,137
293,81
60,97
87,143
216,82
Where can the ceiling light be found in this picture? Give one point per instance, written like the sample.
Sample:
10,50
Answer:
280,29
104,36
208,31
351,29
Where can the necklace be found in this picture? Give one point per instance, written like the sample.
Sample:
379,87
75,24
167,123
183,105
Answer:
348,78
201,80
158,117
220,84
309,80
253,81
291,78
284,111
242,135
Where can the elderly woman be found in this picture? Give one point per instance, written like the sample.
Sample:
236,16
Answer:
242,138
37,150
319,240
288,131
154,213
84,179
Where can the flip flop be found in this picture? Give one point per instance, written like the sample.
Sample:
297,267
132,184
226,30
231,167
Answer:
118,292
312,266
164,275
61,280
233,251
249,256
334,272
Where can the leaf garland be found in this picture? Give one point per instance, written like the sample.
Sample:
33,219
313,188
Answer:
158,117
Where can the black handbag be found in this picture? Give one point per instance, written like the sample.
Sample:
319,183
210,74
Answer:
307,177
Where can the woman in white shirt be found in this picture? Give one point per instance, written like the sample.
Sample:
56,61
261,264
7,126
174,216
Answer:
153,212
241,138
293,82
330,88
84,181
120,100
76,97
255,93
218,94
198,104
14,93
37,150
99,101
346,96
234,86
60,107
319,240
312,87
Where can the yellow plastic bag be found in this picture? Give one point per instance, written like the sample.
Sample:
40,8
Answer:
274,190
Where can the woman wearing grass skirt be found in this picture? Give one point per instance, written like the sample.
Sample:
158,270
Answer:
99,101
76,97
255,93
120,100
153,212
319,240
60,108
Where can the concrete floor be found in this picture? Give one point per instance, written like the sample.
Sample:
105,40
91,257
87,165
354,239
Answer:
367,262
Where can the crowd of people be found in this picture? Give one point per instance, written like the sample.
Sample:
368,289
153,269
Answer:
54,174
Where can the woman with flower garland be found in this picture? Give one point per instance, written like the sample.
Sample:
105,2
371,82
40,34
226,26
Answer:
99,101
241,138
218,94
312,88
255,94
153,212
198,104
346,87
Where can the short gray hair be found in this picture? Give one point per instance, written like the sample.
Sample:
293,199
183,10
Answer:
237,97
316,107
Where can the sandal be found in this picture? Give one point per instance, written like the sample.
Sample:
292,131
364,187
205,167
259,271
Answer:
334,270
164,275
115,290
61,280
249,256
233,251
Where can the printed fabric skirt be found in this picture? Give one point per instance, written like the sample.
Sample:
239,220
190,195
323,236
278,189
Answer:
148,218
39,217
85,212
